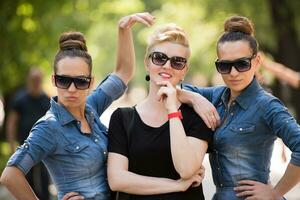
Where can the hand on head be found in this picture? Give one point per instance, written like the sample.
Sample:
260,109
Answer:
143,18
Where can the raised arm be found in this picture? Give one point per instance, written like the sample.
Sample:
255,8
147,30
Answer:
187,152
125,66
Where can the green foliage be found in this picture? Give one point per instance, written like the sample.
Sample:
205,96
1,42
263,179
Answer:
30,30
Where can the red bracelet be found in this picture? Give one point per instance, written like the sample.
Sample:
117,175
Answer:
175,114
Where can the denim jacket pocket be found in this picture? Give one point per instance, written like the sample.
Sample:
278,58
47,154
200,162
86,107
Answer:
246,128
75,147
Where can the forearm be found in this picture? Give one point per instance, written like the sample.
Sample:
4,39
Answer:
125,65
184,157
16,183
290,178
283,73
141,185
187,97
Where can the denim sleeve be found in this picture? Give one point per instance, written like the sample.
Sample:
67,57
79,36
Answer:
39,144
283,124
110,89
203,91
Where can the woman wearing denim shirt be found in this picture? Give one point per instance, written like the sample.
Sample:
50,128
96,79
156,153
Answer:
251,120
70,139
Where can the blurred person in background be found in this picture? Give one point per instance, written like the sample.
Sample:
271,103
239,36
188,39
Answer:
281,72
28,105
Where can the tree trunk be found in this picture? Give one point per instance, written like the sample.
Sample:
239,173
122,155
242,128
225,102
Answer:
287,52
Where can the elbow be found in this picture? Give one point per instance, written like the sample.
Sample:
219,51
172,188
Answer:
186,173
114,183
5,178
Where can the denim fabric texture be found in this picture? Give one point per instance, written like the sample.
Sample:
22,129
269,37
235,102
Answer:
243,143
76,161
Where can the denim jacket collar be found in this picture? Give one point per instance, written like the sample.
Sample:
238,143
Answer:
246,97
63,115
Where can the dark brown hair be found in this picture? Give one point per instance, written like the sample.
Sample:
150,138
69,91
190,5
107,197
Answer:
72,44
238,28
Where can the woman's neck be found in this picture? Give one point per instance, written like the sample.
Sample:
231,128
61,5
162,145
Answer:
77,112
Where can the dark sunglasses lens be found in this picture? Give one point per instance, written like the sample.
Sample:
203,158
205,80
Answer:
159,58
223,67
62,82
242,65
82,83
178,62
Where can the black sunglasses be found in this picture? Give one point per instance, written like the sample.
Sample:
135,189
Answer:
160,59
241,65
64,82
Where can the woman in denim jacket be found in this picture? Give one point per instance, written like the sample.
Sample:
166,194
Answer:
251,120
70,139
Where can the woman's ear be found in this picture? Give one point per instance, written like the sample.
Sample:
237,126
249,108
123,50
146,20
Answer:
146,65
256,62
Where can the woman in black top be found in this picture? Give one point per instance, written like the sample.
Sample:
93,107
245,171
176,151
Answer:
158,155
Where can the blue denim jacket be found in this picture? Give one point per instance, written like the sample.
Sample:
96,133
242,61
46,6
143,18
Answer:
75,161
243,144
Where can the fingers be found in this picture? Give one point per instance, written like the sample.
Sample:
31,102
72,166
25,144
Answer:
208,113
197,180
247,182
143,18
165,90
243,187
245,193
72,196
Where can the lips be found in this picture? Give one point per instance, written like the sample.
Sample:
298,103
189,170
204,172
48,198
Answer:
71,98
235,81
165,75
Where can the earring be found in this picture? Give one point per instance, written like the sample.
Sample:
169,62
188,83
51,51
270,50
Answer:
147,77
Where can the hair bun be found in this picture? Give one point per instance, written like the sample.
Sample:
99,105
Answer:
72,40
239,24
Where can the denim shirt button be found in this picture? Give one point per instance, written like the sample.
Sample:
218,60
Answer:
231,113
104,152
96,140
221,185
241,129
78,122
77,147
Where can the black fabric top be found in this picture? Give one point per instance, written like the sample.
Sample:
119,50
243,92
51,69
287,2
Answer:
148,149
29,109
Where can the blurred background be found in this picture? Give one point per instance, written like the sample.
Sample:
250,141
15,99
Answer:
30,30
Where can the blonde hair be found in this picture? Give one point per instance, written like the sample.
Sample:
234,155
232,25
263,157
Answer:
168,33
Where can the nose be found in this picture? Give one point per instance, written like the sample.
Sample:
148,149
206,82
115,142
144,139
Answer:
72,88
234,72
167,64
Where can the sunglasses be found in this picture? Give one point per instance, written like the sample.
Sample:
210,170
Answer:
64,82
160,59
241,65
